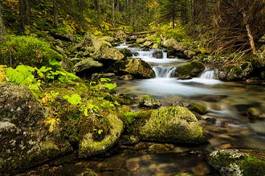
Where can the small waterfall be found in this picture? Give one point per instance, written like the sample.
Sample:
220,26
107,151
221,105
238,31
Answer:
164,72
208,74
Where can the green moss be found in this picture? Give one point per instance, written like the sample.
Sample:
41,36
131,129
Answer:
88,146
253,166
190,69
26,50
132,120
198,107
172,124
236,162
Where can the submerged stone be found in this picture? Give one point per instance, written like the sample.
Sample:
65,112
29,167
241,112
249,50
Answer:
198,107
172,124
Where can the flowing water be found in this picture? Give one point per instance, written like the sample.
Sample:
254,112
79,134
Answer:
227,101
228,125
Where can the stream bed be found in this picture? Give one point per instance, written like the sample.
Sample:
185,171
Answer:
226,124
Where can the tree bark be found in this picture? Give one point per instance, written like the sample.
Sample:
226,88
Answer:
2,27
22,13
250,36
55,13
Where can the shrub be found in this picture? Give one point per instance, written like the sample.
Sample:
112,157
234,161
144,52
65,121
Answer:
26,50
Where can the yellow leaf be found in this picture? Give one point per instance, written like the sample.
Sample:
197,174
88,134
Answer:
52,123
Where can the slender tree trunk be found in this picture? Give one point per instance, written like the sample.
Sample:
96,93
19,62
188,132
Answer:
22,14
173,22
113,12
55,13
2,27
250,36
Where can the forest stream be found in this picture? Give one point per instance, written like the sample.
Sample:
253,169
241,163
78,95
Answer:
132,88
226,124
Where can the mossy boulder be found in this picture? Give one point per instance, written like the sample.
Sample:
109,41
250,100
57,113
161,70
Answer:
255,114
27,50
172,124
169,43
99,136
158,54
237,163
236,72
88,65
25,140
189,70
126,52
138,68
174,49
19,106
147,44
111,54
140,40
199,107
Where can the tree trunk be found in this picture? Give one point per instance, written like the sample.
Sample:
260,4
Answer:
250,36
113,12
22,14
2,27
55,13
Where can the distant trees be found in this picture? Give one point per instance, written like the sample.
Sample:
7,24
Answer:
239,24
24,14
2,28
169,11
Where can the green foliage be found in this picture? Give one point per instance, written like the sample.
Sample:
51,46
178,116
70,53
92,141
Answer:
105,83
26,50
33,77
73,99
23,75
178,33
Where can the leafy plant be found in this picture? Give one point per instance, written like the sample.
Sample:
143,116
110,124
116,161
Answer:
23,75
73,99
